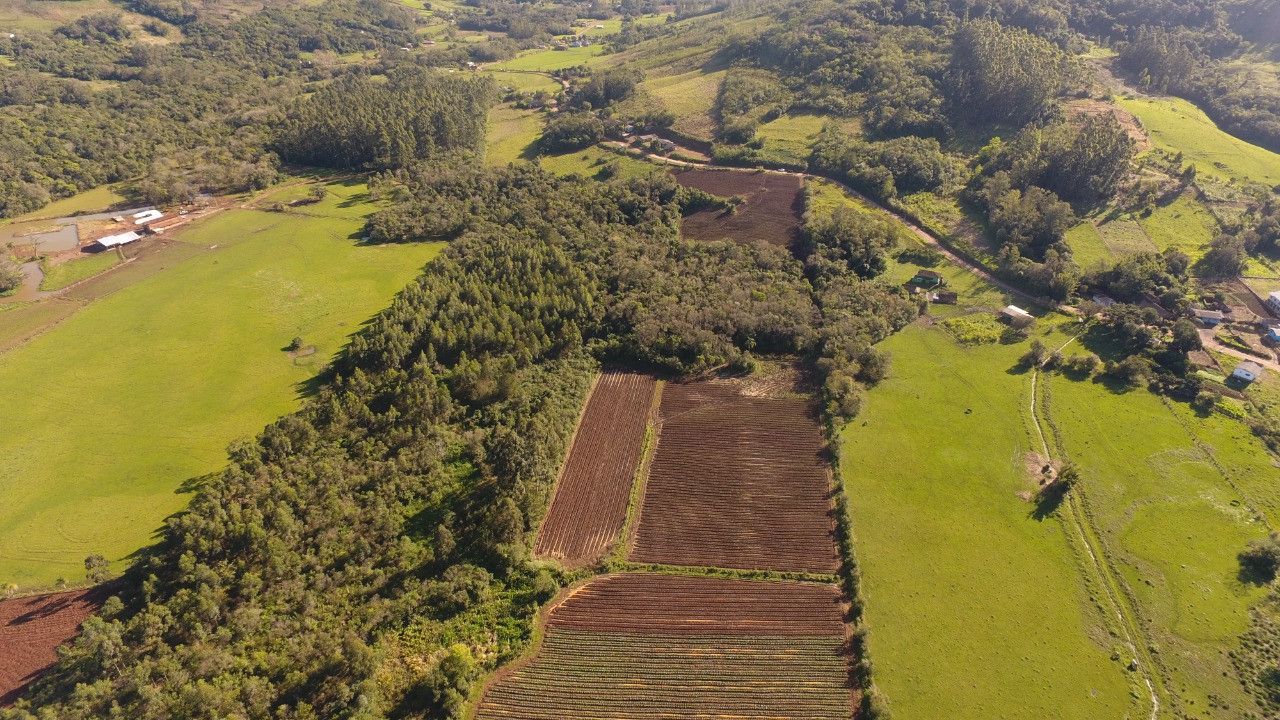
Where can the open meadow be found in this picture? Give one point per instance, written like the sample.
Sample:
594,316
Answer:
1174,496
115,435
976,606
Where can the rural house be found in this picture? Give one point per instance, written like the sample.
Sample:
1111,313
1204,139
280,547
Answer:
927,279
1016,316
1208,318
1248,371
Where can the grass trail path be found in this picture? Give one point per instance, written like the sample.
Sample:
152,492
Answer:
1130,629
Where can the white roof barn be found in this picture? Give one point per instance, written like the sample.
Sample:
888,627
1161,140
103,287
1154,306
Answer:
146,216
120,239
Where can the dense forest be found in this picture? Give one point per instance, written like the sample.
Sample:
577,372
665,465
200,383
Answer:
92,103
391,516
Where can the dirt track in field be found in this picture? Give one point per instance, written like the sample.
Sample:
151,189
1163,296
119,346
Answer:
590,503
739,480
32,628
772,211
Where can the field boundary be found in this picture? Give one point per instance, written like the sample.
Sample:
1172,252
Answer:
635,502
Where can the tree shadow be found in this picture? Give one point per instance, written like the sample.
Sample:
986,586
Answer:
1048,500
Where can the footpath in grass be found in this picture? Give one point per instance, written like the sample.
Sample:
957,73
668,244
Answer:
1174,497
111,412
976,607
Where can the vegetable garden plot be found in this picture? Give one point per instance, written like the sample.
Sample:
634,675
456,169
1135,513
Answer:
643,646
590,503
738,481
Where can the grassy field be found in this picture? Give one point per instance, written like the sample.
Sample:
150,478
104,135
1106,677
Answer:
789,139
1178,125
61,275
548,60
690,96
1184,224
1174,497
97,199
588,163
511,134
525,81
1087,246
101,436
976,608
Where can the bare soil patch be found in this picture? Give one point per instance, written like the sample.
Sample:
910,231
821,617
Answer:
772,211
739,480
32,628
590,503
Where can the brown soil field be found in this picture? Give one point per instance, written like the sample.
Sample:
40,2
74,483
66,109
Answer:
738,480
32,628
772,212
590,503
644,646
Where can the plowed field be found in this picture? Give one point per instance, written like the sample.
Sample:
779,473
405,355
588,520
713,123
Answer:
590,503
738,481
642,647
31,629
772,212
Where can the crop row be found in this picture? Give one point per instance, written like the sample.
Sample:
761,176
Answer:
737,481
590,503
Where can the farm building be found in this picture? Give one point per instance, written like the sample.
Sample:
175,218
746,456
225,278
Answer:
1248,371
927,279
111,241
146,216
160,226
1208,318
1016,316
1104,301
1273,301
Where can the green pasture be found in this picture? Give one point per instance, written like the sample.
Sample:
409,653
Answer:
67,273
113,413
1174,497
1179,126
512,134
976,608
548,60
1087,246
588,163
525,81
1184,224
95,200
789,138
690,96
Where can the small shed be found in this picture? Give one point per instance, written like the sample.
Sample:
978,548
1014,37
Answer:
1103,300
1248,371
1273,301
927,279
1016,316
1273,334
946,297
1208,318
111,241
